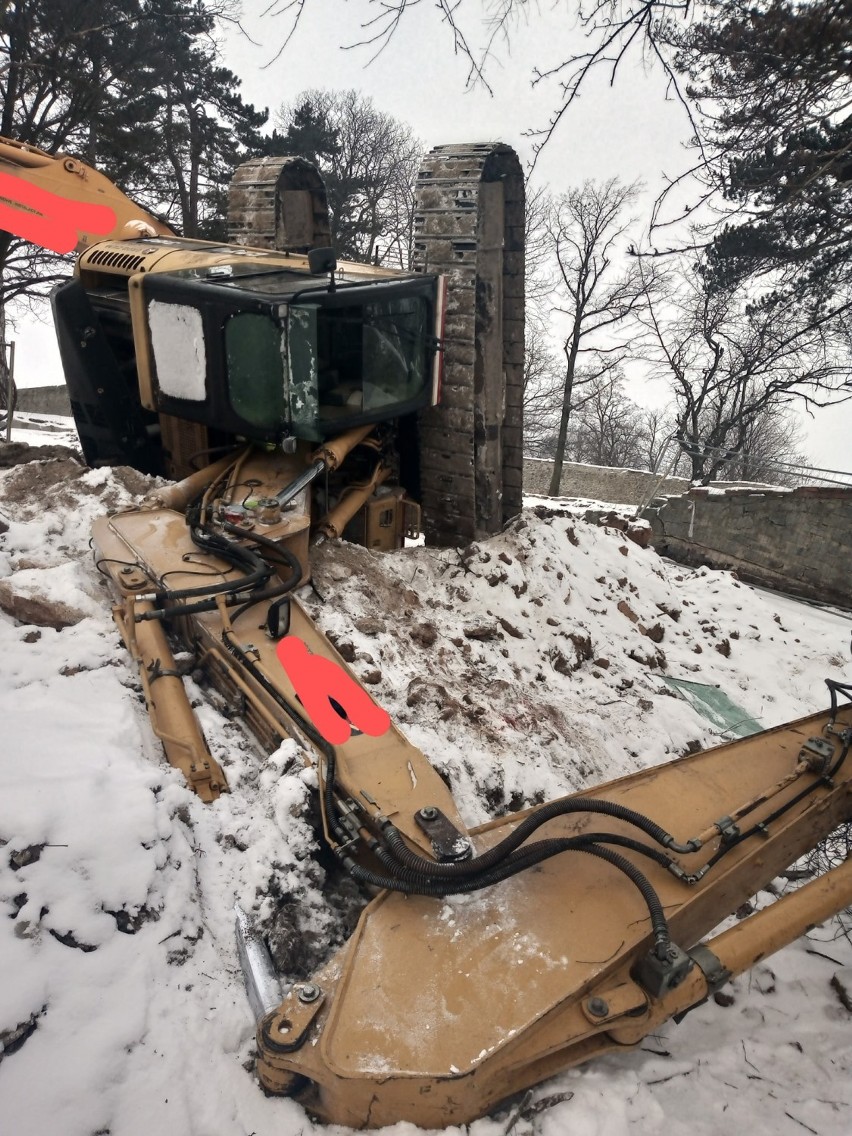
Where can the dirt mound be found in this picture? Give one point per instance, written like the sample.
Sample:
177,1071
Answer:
34,479
19,453
63,483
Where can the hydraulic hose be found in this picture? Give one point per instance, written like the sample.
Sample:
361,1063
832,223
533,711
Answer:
259,572
500,851
534,853
256,571
760,826
441,888
238,596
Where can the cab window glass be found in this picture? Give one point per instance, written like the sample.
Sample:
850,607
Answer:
394,358
355,363
254,347
304,371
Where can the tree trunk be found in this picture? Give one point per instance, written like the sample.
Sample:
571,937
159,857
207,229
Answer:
7,400
567,394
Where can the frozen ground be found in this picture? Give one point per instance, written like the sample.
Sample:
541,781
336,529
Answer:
519,665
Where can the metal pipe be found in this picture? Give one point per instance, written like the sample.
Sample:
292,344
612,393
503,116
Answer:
336,520
298,484
178,496
172,716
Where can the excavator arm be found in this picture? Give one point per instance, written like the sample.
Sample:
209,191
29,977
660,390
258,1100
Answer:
489,959
447,1002
59,202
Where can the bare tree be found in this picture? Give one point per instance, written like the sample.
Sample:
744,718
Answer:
595,294
732,361
608,428
606,32
773,443
542,391
369,164
542,370
658,437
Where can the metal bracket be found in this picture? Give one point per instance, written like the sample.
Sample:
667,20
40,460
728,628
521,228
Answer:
285,1029
715,973
728,829
448,844
659,976
603,1006
155,671
818,754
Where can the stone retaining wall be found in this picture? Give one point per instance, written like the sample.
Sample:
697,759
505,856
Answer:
796,540
43,400
600,483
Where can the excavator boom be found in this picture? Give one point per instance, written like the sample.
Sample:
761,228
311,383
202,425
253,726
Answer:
59,202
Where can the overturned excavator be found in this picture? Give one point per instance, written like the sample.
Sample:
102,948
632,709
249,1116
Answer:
296,399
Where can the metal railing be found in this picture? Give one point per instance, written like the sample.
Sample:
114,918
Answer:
8,390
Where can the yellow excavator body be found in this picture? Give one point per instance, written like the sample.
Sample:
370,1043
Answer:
488,959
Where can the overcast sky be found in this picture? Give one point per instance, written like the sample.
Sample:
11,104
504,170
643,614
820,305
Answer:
629,130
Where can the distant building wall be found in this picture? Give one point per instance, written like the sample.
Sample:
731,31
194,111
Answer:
797,540
43,400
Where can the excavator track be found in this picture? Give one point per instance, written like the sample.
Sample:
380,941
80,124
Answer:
469,227
278,203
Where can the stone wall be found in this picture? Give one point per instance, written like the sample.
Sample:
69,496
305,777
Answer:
796,540
600,483
43,400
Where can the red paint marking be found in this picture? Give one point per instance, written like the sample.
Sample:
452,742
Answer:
317,680
57,221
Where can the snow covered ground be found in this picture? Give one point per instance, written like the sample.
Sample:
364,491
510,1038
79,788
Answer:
527,666
43,430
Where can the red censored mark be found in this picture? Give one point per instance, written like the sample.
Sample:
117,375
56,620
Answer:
55,221
320,683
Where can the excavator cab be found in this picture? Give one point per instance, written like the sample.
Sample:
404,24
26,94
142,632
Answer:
244,344
270,355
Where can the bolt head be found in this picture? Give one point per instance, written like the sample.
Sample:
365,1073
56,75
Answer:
309,993
598,1007
429,812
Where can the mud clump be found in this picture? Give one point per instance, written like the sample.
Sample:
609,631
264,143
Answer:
299,944
424,634
37,610
61,482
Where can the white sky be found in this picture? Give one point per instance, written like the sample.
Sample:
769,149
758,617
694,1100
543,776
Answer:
628,130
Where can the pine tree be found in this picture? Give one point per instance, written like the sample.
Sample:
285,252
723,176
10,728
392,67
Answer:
311,135
773,80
